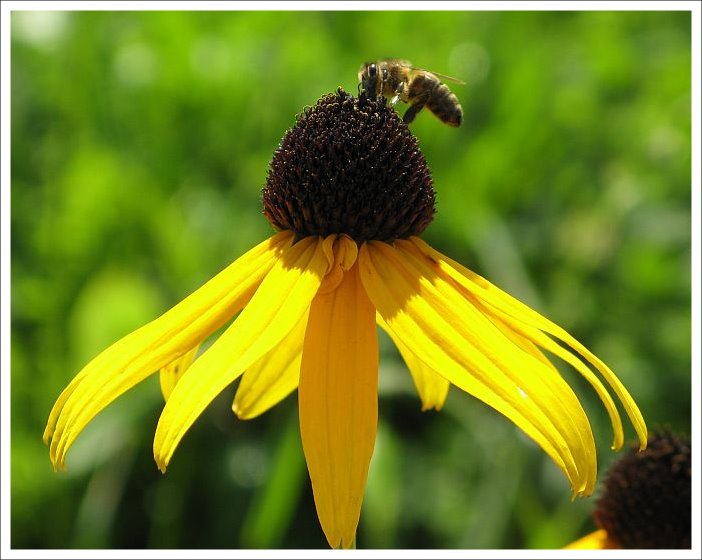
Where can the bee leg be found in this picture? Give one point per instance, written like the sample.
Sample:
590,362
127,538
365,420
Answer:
398,93
413,109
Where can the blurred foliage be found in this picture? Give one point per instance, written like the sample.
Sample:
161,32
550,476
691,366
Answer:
140,142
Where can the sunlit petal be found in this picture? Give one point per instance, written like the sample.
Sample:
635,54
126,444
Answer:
511,307
597,540
171,373
455,339
273,377
281,300
529,334
432,387
276,374
530,339
139,354
338,400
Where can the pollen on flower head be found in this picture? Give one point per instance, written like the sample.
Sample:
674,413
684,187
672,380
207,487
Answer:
349,165
646,501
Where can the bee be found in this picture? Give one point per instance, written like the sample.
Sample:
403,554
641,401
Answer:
419,88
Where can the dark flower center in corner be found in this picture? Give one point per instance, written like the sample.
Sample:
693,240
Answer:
647,500
349,165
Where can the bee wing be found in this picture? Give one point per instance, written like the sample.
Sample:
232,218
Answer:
442,77
445,78
408,64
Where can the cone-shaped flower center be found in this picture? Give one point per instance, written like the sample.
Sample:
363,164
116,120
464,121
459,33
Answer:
647,496
349,165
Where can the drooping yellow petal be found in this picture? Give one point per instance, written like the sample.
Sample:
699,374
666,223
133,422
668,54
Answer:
597,540
273,377
338,400
519,312
171,373
535,376
139,354
530,339
428,313
534,336
432,387
276,374
280,301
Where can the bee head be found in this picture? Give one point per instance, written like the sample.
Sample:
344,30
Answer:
368,76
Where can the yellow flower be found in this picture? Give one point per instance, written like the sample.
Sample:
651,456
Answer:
350,192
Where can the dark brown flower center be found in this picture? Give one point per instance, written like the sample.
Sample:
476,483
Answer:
349,165
647,501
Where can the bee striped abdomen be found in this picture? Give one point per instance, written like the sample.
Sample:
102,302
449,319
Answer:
444,104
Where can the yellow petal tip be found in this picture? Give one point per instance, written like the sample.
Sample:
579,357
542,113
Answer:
243,413
432,406
161,461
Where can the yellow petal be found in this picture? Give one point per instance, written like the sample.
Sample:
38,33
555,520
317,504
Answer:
276,374
338,399
452,337
139,354
519,312
170,374
273,377
597,540
280,301
530,339
535,336
432,387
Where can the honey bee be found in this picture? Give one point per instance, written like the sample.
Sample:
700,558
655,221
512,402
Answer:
399,80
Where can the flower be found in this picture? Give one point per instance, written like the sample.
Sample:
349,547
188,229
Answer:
349,191
646,501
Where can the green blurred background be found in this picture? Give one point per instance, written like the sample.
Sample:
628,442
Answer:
140,143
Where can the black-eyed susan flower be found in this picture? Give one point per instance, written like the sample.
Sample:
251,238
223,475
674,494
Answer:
646,500
349,192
